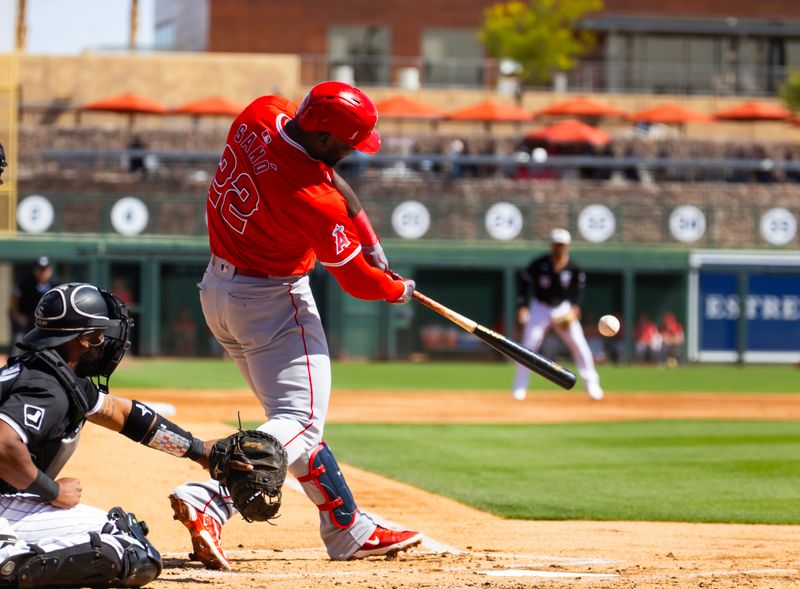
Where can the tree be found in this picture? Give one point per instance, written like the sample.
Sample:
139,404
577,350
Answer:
790,91
540,35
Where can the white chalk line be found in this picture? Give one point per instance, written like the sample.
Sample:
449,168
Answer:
547,574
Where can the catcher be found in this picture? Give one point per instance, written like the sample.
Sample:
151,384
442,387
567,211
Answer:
48,538
558,287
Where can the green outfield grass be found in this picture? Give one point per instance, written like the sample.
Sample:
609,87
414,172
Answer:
221,374
698,471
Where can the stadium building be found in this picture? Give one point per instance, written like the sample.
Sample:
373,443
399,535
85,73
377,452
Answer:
675,46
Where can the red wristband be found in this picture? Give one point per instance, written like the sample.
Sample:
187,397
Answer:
366,234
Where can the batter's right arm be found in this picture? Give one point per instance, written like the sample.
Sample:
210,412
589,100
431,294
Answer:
370,243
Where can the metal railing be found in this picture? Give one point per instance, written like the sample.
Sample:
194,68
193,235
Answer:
111,158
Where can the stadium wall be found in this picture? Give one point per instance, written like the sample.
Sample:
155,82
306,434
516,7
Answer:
703,288
478,279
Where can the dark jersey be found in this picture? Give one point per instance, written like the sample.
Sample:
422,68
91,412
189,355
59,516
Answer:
43,413
551,287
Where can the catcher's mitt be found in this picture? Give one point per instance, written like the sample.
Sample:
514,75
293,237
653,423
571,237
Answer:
255,493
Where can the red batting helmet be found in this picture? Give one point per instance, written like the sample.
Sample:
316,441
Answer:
342,110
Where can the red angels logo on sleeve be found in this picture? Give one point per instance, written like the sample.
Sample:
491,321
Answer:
340,239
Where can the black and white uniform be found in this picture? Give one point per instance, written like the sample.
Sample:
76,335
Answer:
554,293
48,419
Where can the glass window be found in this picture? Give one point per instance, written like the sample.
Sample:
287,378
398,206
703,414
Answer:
452,56
700,64
165,35
364,49
793,54
666,66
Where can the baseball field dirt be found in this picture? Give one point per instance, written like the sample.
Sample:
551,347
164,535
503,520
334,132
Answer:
463,547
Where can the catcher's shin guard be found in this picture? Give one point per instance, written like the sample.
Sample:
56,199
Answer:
326,487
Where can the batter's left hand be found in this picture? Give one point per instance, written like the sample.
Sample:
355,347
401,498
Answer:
408,292
375,256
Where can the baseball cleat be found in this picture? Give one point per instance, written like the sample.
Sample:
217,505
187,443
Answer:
386,542
206,535
594,391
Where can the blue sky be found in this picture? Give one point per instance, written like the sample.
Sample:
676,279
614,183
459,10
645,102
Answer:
73,26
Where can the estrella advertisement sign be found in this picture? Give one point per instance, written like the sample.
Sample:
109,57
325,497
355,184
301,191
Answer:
772,309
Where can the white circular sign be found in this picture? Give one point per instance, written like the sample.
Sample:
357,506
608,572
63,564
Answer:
503,221
129,216
778,226
687,223
596,223
35,214
410,219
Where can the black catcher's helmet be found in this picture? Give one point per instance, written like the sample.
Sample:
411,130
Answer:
68,310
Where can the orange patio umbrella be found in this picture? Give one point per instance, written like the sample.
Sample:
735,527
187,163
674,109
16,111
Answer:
670,113
129,104
403,107
752,110
211,106
570,131
581,107
491,111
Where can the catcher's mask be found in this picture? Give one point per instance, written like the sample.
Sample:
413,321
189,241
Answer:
3,162
70,310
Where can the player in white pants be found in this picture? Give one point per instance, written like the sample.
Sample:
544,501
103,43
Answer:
558,285
298,403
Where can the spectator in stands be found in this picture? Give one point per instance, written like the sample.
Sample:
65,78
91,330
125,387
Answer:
184,333
136,156
25,296
455,151
119,286
649,342
673,338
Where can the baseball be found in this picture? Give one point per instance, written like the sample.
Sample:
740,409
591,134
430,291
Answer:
608,325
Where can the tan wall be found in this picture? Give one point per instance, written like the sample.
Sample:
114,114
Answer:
171,78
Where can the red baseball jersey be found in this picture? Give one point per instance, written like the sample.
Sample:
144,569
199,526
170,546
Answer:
274,209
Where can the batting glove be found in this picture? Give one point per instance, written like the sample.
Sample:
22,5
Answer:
375,256
408,292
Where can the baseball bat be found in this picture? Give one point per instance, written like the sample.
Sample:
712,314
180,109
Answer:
541,365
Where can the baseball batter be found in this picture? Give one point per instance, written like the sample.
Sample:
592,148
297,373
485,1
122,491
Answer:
275,206
558,287
47,537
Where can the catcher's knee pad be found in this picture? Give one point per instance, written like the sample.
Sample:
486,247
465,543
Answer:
141,563
92,563
326,487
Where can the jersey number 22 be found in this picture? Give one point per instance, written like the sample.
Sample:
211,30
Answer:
234,196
